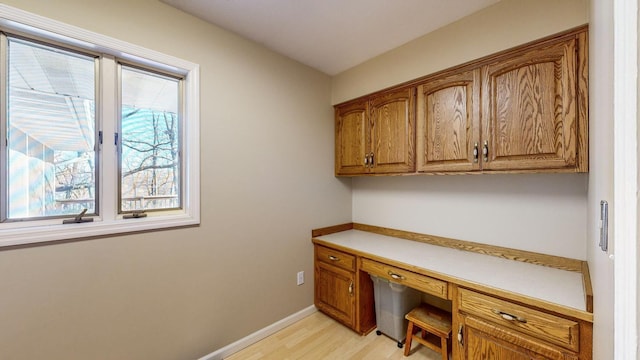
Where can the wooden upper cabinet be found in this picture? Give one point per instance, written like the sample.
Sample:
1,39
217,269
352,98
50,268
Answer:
392,127
448,123
376,135
521,110
534,108
351,138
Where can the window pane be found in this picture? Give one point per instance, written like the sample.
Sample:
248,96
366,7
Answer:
150,156
51,131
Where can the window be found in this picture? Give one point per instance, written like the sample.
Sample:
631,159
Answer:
92,125
50,127
150,142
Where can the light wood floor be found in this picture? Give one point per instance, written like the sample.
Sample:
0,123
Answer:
319,337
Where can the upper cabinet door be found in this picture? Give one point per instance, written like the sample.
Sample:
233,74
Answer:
351,139
530,109
448,123
522,110
392,132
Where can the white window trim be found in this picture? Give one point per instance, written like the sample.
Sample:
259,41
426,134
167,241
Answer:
109,223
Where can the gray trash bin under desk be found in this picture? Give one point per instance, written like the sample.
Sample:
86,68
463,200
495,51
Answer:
393,301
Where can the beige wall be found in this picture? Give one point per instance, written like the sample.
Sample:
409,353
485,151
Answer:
267,180
542,213
501,26
545,213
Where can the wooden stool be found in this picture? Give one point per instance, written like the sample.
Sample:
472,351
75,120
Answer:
430,320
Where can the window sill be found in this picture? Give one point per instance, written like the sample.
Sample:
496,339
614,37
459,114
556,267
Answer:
59,232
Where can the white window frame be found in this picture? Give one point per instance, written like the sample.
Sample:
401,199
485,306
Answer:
108,221
134,67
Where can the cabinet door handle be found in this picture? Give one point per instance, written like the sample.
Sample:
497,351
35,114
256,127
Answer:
351,288
371,160
509,317
485,151
333,258
366,160
395,276
460,336
475,153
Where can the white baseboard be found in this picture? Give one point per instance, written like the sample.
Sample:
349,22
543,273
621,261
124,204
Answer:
259,335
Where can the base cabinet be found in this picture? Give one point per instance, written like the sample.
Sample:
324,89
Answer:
484,340
488,322
342,291
335,293
494,328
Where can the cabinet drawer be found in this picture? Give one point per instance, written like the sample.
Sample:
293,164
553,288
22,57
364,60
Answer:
335,257
420,282
551,328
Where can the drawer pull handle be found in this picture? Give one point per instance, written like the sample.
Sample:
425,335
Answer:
333,258
395,276
509,317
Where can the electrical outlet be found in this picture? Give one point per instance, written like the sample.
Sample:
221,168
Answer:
300,277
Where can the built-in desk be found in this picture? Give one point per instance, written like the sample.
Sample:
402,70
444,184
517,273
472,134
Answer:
504,301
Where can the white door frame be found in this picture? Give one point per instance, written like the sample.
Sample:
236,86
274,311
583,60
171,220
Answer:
625,175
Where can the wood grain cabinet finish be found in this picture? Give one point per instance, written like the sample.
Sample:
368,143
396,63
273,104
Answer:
525,110
335,293
534,108
484,340
342,291
488,321
521,110
492,328
448,123
336,258
548,327
352,138
413,280
376,135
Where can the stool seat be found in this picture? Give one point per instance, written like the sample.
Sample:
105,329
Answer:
431,320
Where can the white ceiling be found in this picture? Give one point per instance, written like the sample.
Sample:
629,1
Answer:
331,35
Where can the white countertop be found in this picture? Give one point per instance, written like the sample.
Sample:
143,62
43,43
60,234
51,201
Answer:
557,286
